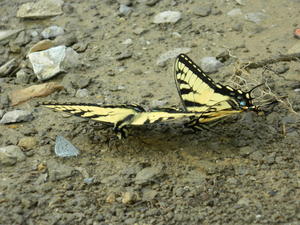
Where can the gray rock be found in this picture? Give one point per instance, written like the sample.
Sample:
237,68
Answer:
82,93
1,113
66,39
52,32
8,67
203,11
6,160
40,9
124,55
149,194
16,116
255,17
158,103
235,12
210,64
243,202
171,54
148,2
22,77
167,17
58,171
71,60
5,34
147,175
22,39
124,10
11,154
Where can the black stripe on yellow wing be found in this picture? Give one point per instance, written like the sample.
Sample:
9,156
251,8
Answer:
198,92
120,115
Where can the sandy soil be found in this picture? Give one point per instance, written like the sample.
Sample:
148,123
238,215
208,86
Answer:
244,171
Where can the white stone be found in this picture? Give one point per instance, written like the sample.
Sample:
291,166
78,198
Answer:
125,10
255,17
127,41
235,12
16,116
52,32
171,54
167,17
210,64
47,63
40,9
82,93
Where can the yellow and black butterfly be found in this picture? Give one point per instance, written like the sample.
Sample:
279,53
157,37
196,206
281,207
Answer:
120,116
200,94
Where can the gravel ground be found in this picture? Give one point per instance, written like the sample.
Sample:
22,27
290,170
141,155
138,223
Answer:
244,171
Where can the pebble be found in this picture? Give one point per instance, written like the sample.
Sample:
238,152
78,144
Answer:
149,2
243,202
124,55
171,54
255,17
39,90
40,9
16,116
210,64
64,148
167,17
8,67
111,198
5,34
52,32
82,93
203,11
127,42
79,81
129,197
158,103
11,154
58,171
297,33
66,39
235,12
22,39
27,143
124,10
147,175
149,194
22,77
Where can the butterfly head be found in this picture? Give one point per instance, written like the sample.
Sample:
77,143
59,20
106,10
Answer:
245,100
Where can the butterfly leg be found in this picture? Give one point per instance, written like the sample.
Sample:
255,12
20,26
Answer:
121,132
